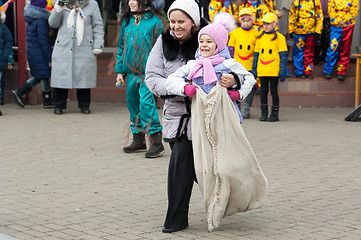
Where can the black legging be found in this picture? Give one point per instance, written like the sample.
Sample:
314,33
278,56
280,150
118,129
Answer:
181,175
272,83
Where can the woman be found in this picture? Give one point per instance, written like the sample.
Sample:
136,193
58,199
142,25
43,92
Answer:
80,38
177,44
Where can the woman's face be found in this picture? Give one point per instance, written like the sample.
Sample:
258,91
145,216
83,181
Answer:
133,5
207,46
181,24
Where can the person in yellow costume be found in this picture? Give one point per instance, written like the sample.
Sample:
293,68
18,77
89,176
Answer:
241,46
342,17
270,64
305,22
215,7
259,9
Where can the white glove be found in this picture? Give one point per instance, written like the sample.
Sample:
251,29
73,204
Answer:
97,51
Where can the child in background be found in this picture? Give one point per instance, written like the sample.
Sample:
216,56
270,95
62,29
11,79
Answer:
305,22
342,15
141,25
241,46
6,44
212,61
259,8
270,64
38,52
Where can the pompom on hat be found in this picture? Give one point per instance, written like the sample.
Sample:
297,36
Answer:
188,6
218,30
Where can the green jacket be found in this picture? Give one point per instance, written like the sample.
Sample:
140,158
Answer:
136,42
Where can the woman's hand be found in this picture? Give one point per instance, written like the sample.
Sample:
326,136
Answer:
227,80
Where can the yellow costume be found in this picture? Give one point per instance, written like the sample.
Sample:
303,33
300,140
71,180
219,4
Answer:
345,10
269,59
243,42
305,17
215,7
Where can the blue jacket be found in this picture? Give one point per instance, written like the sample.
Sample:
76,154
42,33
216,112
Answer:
6,44
38,41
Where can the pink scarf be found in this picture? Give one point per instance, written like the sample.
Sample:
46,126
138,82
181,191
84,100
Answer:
206,64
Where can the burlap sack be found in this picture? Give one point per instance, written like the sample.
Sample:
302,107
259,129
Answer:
227,169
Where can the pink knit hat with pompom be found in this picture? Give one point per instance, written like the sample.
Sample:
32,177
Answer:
218,30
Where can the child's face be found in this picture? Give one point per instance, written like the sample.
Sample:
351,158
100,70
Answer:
268,27
207,46
134,6
246,23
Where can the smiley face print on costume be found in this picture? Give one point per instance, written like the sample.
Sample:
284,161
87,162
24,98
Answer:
267,56
245,51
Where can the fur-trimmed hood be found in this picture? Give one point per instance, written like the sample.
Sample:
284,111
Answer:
172,46
34,12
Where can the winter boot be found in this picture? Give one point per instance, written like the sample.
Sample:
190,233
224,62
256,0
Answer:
18,93
156,148
1,113
47,100
264,112
138,144
245,110
274,114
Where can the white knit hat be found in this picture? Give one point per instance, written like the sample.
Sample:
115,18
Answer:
188,6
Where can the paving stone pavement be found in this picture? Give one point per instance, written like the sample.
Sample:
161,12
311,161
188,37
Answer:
66,177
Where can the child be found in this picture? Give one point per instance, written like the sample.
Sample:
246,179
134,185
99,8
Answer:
6,44
342,15
259,8
241,45
141,25
38,52
270,64
305,22
225,182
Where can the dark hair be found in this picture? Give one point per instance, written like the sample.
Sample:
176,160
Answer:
274,35
143,7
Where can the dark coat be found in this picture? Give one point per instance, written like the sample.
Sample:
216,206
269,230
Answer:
38,41
6,44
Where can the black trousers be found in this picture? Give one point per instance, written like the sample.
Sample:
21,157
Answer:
181,175
60,96
269,83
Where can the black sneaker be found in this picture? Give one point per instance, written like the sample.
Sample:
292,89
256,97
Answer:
309,76
300,76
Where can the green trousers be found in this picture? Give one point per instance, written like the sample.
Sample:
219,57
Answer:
141,106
